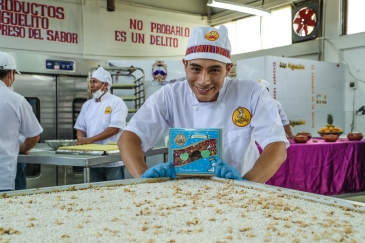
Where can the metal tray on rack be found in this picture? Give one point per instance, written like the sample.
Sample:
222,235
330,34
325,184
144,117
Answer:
89,149
87,152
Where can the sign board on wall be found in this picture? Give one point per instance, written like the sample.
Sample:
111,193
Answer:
46,26
139,32
60,65
68,27
308,90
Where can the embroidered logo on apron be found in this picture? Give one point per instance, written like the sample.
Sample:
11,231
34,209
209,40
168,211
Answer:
241,117
108,110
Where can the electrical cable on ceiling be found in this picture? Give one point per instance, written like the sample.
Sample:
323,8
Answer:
352,126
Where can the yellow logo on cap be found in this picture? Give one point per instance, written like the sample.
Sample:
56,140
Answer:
212,35
241,117
108,110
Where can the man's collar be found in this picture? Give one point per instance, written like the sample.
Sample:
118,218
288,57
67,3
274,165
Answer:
2,83
104,97
222,91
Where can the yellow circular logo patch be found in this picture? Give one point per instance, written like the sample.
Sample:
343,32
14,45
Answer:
108,110
212,35
241,117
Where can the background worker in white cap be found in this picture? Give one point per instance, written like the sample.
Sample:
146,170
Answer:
16,118
283,117
208,99
102,120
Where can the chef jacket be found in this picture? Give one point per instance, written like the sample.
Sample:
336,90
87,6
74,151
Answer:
244,110
283,117
16,117
96,117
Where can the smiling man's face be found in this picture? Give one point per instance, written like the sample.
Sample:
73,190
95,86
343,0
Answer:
206,77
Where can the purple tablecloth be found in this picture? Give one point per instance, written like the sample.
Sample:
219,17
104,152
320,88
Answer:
323,167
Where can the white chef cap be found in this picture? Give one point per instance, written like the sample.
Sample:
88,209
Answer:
264,83
7,62
209,43
102,75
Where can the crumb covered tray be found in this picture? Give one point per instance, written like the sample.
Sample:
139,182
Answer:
332,201
182,210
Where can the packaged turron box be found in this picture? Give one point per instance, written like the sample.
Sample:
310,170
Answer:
195,151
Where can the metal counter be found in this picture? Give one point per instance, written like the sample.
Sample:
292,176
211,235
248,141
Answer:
43,154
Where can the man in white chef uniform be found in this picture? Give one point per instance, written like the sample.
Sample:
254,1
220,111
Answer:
283,117
16,117
102,120
208,99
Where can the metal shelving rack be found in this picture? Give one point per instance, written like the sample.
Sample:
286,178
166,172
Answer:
137,86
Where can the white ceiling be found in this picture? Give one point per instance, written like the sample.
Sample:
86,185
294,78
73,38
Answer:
199,7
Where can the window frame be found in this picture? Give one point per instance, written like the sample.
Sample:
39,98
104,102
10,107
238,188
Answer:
345,18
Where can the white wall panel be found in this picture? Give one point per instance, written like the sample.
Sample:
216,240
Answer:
350,50
307,89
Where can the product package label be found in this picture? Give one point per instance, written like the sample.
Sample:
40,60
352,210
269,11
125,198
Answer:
195,151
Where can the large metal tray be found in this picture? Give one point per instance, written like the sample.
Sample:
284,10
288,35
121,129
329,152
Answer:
80,186
342,203
87,152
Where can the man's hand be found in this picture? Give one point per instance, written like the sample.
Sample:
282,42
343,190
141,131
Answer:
83,140
107,133
290,136
270,160
28,144
288,131
224,170
160,170
23,149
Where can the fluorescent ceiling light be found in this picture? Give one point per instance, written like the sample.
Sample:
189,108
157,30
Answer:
238,7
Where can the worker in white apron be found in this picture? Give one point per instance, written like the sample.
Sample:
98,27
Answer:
102,120
208,99
16,117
